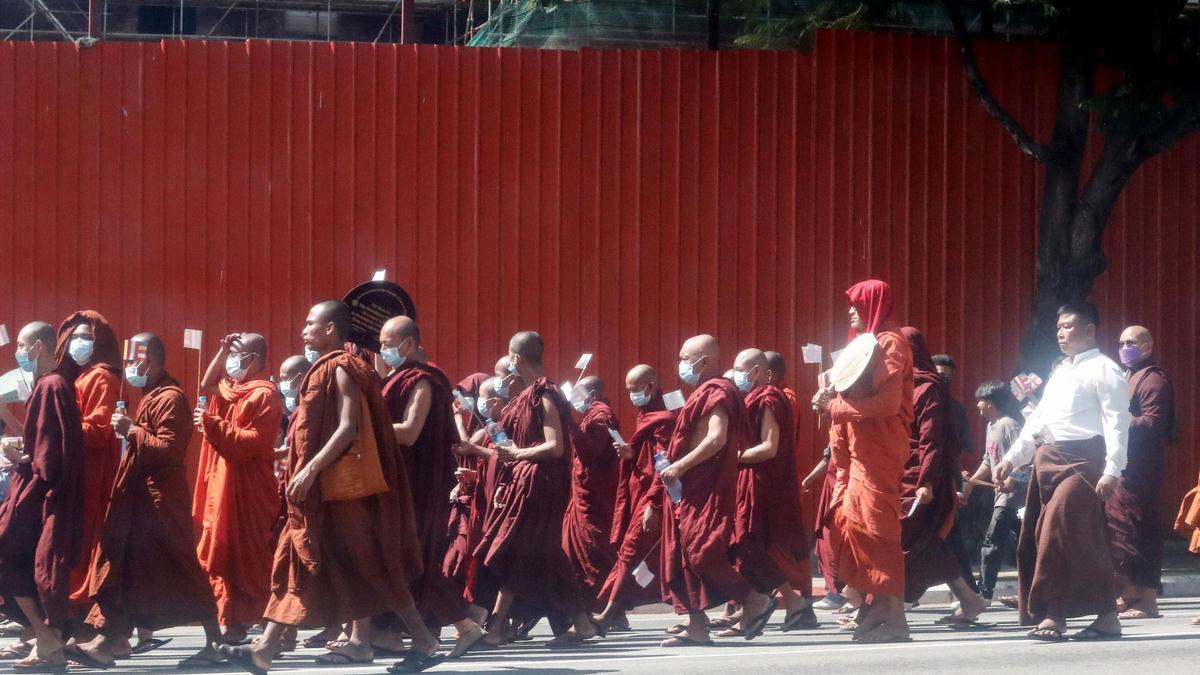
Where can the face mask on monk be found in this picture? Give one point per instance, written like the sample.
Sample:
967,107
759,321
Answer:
81,350
742,380
1131,355
639,398
392,357
311,355
483,408
289,402
132,376
688,373
500,387
234,367
26,361
581,405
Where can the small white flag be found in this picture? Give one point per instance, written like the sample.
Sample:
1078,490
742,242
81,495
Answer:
616,436
834,355
1021,513
3,335
192,338
812,353
673,400
379,275
462,401
584,360
913,510
642,574
567,390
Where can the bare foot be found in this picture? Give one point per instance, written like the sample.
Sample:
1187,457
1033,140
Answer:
1050,629
970,608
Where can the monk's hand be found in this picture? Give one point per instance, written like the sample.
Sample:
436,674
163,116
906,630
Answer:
1000,472
507,453
623,450
1106,486
650,519
1008,485
230,341
281,454
301,485
198,418
12,449
924,494
121,424
670,474
821,399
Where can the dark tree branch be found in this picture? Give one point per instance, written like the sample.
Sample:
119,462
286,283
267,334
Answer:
1184,119
1023,139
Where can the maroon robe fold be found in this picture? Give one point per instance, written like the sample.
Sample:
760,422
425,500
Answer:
463,537
430,464
769,537
696,570
635,491
41,520
521,544
932,461
586,527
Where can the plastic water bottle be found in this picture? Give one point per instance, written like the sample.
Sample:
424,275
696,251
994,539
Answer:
121,410
497,433
675,489
202,402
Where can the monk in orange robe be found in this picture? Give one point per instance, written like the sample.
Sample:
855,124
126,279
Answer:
145,573
869,444
93,346
349,549
42,515
236,502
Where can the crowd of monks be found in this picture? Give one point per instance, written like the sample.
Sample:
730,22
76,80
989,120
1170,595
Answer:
366,495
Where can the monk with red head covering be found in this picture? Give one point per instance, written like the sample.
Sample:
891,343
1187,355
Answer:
42,517
929,481
637,510
869,443
236,502
697,573
594,474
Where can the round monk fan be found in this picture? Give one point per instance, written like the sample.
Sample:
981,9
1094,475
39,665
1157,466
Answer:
373,303
853,362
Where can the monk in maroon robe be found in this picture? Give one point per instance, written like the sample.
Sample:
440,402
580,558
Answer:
770,539
637,510
929,480
586,536
520,554
697,529
41,519
420,401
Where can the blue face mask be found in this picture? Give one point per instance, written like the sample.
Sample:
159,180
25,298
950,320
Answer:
639,398
742,380
81,350
687,372
392,357
311,355
501,389
512,368
131,376
481,407
233,367
581,406
289,402
26,363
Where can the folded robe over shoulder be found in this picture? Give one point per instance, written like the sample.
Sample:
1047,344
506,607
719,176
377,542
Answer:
343,560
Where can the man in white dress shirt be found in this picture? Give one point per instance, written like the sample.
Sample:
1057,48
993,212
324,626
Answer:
1077,438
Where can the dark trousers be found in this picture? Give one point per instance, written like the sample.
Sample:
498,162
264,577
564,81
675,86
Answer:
995,546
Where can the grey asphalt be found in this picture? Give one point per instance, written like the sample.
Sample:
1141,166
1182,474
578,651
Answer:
1160,646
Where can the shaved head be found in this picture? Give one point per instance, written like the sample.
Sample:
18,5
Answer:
488,389
326,326
703,352
776,368
501,369
399,329
528,345
335,312
293,367
592,384
1140,337
156,352
253,343
35,331
753,362
641,376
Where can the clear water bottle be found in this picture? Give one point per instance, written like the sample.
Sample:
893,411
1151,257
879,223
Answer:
122,410
202,402
497,433
675,489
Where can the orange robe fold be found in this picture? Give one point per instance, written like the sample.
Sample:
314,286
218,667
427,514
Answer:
96,392
870,447
236,503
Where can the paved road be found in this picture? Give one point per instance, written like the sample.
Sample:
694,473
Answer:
1160,646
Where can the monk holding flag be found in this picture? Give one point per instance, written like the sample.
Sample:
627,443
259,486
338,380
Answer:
42,516
236,503
637,511
696,570
869,445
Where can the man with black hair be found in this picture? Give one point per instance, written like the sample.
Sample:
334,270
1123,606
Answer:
1077,439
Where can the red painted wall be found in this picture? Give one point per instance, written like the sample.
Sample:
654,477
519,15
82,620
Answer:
617,201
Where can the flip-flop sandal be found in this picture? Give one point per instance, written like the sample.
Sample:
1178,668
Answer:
566,641
1138,614
340,658
732,631
415,662
1090,634
198,662
74,653
684,641
315,641
38,665
971,624
797,620
471,641
18,651
144,646
680,627
722,622
385,653
242,658
1046,635
756,627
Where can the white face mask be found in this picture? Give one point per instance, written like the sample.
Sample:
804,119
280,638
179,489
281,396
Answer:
133,378
639,398
233,367
392,357
581,406
81,349
688,373
311,355
289,402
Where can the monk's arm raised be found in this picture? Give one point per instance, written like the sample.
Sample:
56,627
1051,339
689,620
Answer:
552,447
716,424
769,445
415,414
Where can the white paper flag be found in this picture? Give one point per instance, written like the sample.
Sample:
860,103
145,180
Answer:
3,335
379,275
192,338
913,510
812,353
642,574
567,389
673,400
584,360
616,436
834,355
22,390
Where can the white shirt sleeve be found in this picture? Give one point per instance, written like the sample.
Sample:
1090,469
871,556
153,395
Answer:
1113,393
1022,450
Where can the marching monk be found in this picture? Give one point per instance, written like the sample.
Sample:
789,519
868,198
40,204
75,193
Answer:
929,480
637,512
696,532
93,347
869,446
1133,511
520,554
465,420
770,538
145,573
1077,437
594,476
236,502
419,398
42,517
349,549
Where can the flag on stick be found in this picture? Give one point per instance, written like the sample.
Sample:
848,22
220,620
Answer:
379,275
3,335
192,338
812,353
584,360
